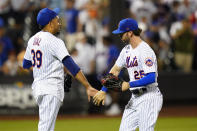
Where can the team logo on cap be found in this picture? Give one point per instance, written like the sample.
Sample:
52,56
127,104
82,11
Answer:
149,62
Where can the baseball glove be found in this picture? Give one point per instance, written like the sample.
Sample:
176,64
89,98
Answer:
112,82
67,82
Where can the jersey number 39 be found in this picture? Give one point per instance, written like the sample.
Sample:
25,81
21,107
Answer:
37,58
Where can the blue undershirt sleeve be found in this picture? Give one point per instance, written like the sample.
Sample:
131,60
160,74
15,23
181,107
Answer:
27,64
147,79
71,65
104,89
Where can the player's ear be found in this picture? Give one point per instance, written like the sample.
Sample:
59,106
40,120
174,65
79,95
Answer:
51,24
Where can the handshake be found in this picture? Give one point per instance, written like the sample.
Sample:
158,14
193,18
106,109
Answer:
109,81
112,82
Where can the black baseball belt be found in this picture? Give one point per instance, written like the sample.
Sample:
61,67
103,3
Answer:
139,91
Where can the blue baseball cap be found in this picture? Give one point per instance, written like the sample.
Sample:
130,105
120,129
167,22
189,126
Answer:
1,22
125,25
46,15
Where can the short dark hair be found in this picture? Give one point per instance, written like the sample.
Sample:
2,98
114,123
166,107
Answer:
137,32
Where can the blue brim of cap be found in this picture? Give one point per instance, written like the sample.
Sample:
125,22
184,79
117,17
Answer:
118,31
56,10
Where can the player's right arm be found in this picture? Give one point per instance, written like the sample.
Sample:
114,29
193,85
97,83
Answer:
74,69
58,49
27,59
115,70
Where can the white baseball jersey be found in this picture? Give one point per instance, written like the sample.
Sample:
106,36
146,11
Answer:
138,61
46,52
142,110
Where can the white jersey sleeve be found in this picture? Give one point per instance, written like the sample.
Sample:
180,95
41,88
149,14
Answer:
120,62
59,49
27,55
149,61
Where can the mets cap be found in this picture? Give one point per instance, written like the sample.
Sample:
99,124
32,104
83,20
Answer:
126,25
46,15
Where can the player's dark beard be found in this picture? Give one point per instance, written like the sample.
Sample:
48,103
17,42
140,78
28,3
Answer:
126,41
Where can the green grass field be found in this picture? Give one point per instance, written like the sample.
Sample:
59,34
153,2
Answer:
100,124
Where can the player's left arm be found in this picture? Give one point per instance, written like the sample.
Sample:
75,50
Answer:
146,80
149,66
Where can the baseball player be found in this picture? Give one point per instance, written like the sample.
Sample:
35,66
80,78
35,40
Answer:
48,55
146,101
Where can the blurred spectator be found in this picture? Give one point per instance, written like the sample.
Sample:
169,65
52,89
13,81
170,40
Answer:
5,9
142,8
80,4
163,56
56,3
152,34
101,58
85,55
19,8
92,24
113,52
174,14
6,46
10,67
187,7
16,35
72,23
143,24
103,10
30,26
184,44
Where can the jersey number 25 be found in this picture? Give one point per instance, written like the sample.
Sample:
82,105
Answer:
138,75
37,58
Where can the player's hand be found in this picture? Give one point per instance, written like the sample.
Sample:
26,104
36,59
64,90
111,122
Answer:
99,97
91,92
125,86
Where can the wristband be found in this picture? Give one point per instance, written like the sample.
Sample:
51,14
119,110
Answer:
104,89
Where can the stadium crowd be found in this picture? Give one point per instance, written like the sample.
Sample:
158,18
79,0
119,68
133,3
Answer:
169,25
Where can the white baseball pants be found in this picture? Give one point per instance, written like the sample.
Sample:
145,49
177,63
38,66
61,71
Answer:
48,109
142,111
